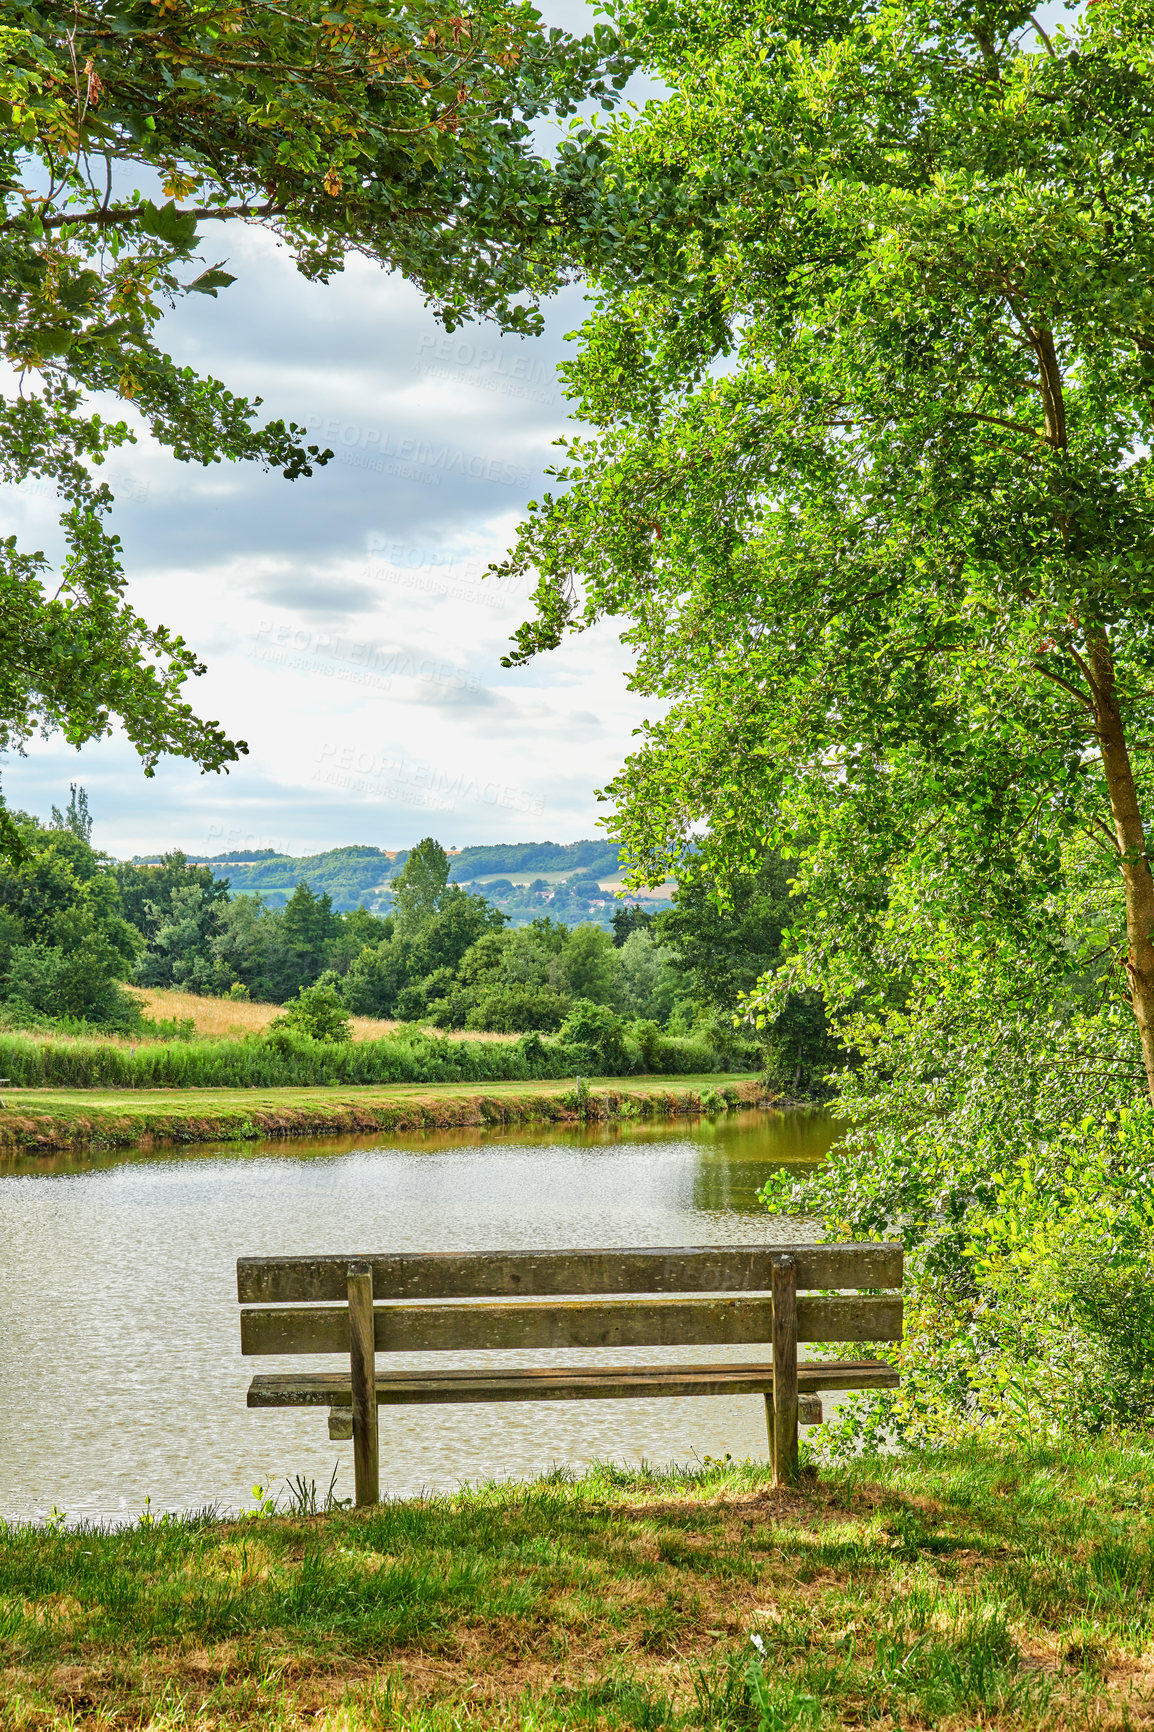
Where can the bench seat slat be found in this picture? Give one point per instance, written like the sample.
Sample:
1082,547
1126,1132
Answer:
608,1323
562,1383
511,1274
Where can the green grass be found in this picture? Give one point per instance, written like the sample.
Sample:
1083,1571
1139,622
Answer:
956,1591
406,1055
66,1118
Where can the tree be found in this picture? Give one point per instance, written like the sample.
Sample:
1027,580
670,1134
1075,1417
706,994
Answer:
421,886
126,129
181,949
627,921
648,986
64,944
596,1034
871,389
726,935
308,929
75,816
588,968
146,891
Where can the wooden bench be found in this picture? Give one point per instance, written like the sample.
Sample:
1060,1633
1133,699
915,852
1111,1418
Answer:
412,1302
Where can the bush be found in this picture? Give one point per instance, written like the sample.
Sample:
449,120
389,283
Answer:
671,1055
318,1012
596,1037
1029,1294
75,983
512,1009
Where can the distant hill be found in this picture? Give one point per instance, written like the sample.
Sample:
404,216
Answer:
568,880
597,859
351,876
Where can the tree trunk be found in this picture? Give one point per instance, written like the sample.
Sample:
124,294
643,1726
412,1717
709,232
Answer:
1124,809
1131,834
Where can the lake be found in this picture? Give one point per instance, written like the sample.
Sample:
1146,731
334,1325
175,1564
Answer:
120,1368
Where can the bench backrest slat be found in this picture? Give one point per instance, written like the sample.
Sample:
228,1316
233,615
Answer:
419,1328
528,1274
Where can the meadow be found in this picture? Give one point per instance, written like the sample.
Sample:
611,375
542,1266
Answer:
232,1019
958,1590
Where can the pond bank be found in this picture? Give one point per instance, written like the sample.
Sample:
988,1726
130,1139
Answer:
949,1590
32,1119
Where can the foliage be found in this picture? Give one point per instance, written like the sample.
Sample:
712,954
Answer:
1002,1146
64,944
395,134
317,1011
868,473
407,971
420,888
288,1057
597,1036
445,957
725,933
203,940
599,859
146,892
628,920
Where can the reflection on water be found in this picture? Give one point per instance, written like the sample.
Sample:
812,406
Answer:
120,1370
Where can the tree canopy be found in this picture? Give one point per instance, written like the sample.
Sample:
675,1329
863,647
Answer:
128,132
867,477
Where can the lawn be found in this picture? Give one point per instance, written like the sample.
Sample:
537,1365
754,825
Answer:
33,1118
957,1591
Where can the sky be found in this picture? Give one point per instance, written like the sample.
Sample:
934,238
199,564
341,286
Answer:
349,635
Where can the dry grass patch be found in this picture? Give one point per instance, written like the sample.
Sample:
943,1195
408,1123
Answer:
232,1019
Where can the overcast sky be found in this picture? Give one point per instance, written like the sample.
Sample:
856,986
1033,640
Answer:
349,636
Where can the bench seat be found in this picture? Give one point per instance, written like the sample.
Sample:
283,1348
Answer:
564,1383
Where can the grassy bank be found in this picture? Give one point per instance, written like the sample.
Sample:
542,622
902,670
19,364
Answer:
60,1119
956,1592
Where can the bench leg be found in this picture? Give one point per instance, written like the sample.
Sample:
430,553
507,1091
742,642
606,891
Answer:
363,1367
769,1425
784,1371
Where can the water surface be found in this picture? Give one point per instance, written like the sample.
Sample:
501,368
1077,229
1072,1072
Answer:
120,1367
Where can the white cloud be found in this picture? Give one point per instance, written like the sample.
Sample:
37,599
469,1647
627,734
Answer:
350,633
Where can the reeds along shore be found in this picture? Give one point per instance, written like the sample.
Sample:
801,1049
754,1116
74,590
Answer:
955,1590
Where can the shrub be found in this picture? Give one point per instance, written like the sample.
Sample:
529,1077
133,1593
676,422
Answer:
512,1009
596,1037
317,1012
1029,1295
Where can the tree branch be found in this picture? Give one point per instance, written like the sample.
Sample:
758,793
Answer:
1073,690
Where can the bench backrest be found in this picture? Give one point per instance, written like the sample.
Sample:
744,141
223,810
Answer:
454,1301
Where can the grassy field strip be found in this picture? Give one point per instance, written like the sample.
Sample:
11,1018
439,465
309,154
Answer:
67,1118
228,1018
959,1591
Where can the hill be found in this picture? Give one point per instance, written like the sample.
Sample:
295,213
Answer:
572,881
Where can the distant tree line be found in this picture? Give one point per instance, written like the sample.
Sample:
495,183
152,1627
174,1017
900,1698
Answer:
76,927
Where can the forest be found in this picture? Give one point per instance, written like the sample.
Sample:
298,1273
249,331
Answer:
655,994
